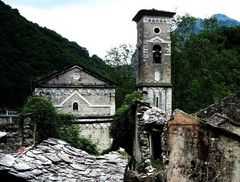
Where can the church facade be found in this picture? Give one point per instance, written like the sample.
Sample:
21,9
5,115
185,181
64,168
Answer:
78,91
87,95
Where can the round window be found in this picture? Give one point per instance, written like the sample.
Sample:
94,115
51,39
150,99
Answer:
156,30
76,76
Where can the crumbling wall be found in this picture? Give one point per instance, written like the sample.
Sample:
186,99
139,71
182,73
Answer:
19,133
200,152
183,143
219,157
148,119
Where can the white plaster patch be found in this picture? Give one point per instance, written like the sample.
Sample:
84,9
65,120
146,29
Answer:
146,115
157,76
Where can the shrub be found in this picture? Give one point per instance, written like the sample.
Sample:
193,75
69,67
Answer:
70,133
43,116
49,123
122,128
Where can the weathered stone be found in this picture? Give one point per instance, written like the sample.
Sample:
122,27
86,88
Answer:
64,157
36,172
39,166
43,159
78,167
21,166
53,157
7,160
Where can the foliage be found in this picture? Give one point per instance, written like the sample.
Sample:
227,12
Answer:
51,124
184,27
122,128
29,52
44,115
119,56
131,98
70,133
206,66
121,71
158,164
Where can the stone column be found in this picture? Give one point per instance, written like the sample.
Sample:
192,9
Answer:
183,143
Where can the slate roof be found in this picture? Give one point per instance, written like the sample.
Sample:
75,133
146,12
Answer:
229,107
56,160
154,116
223,115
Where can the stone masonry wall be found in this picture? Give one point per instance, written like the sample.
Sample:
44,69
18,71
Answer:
200,152
98,133
19,133
183,137
91,101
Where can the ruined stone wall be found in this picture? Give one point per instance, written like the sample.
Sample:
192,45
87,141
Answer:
19,133
219,157
148,120
183,143
200,152
98,133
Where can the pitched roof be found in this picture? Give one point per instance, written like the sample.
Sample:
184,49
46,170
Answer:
228,107
56,74
223,116
56,160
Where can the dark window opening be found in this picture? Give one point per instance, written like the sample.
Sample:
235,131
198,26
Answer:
156,145
110,95
75,106
157,102
156,30
157,54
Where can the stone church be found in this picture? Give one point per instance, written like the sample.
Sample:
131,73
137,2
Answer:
87,95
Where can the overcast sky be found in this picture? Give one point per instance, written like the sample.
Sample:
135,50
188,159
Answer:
99,25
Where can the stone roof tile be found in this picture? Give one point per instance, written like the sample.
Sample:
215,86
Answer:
56,160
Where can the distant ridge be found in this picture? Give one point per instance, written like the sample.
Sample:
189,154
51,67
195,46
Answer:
224,20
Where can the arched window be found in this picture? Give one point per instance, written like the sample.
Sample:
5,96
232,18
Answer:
75,106
157,54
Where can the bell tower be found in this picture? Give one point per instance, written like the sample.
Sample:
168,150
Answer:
154,57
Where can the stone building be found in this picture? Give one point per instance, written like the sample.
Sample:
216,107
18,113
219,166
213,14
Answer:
206,146
87,95
154,57
199,147
154,81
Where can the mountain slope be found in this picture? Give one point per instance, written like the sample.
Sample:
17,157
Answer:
28,52
224,20
198,24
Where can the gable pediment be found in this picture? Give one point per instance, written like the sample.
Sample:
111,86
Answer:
75,76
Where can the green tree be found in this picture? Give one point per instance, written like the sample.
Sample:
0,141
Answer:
48,123
43,117
122,128
206,67
121,70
